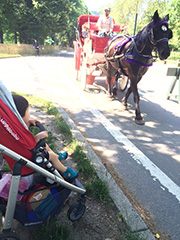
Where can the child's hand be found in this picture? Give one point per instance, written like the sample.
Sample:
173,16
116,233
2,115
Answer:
41,135
33,121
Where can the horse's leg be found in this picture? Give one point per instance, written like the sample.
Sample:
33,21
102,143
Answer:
115,84
125,98
109,69
138,119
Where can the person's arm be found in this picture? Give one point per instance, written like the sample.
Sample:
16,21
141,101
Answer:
33,121
41,135
111,26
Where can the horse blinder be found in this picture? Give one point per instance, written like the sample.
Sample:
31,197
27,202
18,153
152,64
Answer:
163,27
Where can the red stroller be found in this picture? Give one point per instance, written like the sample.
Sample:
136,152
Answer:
45,197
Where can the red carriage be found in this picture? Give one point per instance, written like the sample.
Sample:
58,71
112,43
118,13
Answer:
89,48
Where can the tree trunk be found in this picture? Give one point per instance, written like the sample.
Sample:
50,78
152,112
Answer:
1,36
15,37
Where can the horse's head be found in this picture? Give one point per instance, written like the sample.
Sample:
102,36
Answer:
160,34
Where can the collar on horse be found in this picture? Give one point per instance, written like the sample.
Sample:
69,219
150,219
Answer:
132,54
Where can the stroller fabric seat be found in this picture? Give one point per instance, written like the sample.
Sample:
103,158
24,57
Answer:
15,136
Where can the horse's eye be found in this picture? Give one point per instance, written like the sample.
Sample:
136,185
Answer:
164,28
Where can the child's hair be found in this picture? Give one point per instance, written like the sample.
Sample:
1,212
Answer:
21,104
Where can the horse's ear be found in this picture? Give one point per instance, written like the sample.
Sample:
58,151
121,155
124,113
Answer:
156,16
166,18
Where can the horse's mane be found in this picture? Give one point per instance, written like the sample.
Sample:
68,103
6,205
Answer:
141,37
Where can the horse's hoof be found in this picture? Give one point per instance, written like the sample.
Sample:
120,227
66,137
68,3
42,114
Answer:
110,97
124,108
139,121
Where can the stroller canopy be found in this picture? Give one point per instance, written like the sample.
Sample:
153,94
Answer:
13,131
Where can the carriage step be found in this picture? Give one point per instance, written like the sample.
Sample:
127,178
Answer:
96,73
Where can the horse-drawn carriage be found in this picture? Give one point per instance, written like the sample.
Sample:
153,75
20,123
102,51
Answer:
89,48
121,57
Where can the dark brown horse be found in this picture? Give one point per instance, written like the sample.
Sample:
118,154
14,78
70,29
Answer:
131,56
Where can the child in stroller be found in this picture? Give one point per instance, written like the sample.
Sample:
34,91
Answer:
18,146
22,106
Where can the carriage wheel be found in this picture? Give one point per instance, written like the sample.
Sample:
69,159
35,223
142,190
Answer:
84,74
76,75
123,82
75,60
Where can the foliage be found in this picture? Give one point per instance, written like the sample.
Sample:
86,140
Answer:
51,231
83,163
25,20
174,9
98,189
64,128
124,12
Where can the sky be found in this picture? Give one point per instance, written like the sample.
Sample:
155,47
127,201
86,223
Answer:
97,4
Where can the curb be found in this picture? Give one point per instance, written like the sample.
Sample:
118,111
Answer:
132,218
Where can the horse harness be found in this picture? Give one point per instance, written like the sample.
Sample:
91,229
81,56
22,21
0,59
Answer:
132,54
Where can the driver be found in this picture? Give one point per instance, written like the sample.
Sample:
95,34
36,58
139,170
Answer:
105,24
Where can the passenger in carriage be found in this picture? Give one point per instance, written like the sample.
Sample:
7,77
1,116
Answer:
22,106
105,24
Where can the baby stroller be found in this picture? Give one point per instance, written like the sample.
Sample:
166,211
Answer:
44,198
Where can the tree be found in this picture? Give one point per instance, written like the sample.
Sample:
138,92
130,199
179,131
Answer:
174,9
29,19
124,12
78,8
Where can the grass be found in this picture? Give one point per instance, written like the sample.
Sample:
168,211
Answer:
64,129
95,187
51,231
175,56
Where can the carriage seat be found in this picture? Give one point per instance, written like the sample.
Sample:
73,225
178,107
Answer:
99,43
93,27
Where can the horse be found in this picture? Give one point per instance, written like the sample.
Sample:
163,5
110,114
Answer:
132,56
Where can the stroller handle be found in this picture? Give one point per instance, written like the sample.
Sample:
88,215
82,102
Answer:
42,141
40,126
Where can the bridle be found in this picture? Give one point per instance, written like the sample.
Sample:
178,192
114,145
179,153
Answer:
151,39
151,33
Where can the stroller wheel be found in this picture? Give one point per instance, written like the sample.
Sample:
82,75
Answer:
9,236
76,211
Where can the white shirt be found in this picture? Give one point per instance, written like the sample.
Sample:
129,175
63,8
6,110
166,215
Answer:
105,23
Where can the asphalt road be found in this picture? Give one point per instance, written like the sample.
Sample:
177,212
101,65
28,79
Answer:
145,160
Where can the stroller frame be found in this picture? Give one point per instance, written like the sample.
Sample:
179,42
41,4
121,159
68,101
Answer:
16,175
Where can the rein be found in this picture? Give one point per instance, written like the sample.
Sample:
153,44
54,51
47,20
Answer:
133,55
